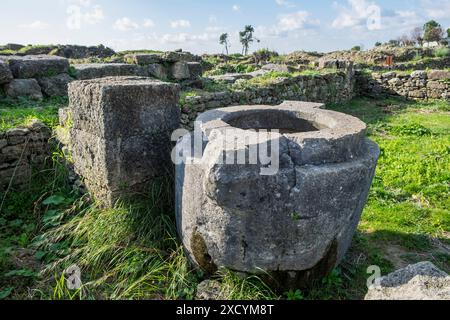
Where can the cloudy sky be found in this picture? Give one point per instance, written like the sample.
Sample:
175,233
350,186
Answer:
195,25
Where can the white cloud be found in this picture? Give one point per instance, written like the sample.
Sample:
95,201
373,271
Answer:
236,8
358,14
182,38
294,23
437,9
82,11
214,29
285,3
83,3
148,23
180,24
94,16
38,24
125,24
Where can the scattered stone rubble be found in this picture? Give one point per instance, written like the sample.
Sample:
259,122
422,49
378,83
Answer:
421,281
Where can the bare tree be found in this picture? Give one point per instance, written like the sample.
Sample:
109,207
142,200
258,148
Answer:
417,35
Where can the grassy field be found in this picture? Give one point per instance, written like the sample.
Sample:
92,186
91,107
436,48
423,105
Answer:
132,252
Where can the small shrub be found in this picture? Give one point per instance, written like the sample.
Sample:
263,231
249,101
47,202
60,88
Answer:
356,48
442,52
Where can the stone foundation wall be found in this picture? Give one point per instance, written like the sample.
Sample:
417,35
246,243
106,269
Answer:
328,88
39,76
21,150
419,85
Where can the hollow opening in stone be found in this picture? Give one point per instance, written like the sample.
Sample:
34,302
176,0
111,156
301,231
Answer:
285,122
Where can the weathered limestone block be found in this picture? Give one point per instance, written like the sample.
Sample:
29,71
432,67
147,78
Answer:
419,74
120,134
180,71
195,70
102,70
38,66
5,73
421,281
55,86
335,64
179,56
293,220
156,70
231,77
144,59
24,88
439,75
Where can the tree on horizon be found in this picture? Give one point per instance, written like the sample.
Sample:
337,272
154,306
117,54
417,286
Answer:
224,41
246,38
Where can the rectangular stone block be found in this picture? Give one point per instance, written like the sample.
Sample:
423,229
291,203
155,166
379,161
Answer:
123,106
102,70
5,73
120,134
38,66
144,59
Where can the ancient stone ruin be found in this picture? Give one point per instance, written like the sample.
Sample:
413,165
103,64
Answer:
294,218
120,133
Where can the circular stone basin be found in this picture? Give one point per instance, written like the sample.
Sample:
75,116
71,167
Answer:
292,219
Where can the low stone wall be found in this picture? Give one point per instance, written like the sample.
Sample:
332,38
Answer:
37,76
419,85
34,76
432,63
328,88
21,150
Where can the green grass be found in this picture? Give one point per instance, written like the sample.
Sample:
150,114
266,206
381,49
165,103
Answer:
409,201
132,252
20,112
442,52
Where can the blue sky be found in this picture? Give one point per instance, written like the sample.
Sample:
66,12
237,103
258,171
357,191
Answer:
195,25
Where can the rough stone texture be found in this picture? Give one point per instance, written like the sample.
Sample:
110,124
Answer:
24,88
180,71
419,85
21,150
276,67
120,134
38,66
179,56
231,77
144,59
296,224
421,281
439,75
55,86
5,73
102,70
82,52
334,63
156,70
195,70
